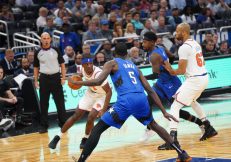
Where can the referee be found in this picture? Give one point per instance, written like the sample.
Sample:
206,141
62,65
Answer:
47,62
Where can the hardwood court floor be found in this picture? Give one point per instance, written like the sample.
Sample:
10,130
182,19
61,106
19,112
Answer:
123,145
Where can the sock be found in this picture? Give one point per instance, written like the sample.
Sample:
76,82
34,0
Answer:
174,110
198,110
86,136
61,134
187,116
93,140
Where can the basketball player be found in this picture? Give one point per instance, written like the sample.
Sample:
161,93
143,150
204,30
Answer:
129,83
191,64
95,100
166,85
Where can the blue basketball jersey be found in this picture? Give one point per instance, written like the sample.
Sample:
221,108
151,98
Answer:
126,78
164,75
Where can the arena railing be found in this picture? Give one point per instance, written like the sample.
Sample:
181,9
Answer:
124,38
5,32
222,34
33,34
22,40
21,50
56,37
95,44
199,32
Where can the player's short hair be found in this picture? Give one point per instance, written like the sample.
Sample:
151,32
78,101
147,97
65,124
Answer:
150,36
121,49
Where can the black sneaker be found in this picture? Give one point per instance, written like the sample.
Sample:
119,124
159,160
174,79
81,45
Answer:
209,132
54,142
167,146
83,142
184,157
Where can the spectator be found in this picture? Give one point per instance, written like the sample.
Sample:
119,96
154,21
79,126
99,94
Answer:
50,5
177,4
224,48
77,67
161,27
188,15
162,13
210,49
25,68
136,21
24,2
85,22
153,19
205,16
112,20
137,44
77,7
134,56
118,30
90,8
86,49
200,6
30,57
147,27
91,33
50,27
96,20
175,19
208,36
105,32
107,50
6,14
69,39
59,19
41,20
69,4
130,32
215,40
145,6
8,64
69,56
124,9
164,5
128,19
100,13
61,6
99,59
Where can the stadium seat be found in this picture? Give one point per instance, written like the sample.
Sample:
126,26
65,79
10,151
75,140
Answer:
219,23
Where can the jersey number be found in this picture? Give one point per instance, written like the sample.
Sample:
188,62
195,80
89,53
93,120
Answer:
200,59
131,74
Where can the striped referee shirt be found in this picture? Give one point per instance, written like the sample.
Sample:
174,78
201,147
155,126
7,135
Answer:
48,60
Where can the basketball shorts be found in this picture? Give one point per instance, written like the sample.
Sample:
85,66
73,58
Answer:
134,104
92,100
191,89
167,90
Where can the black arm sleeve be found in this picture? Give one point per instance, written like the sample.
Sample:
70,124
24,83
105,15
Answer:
152,76
36,60
171,59
60,57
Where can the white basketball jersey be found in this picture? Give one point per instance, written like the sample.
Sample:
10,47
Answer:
95,74
192,52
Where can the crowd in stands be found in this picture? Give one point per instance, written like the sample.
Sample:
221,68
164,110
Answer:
88,20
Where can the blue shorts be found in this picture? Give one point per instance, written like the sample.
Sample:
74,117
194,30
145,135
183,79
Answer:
166,90
135,104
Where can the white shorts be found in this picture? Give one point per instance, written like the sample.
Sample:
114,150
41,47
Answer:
92,100
191,89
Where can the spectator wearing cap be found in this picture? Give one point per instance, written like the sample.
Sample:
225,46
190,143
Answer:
107,50
136,21
175,18
105,31
100,13
92,32
69,38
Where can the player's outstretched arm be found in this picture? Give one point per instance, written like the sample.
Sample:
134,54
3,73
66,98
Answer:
107,68
182,64
155,97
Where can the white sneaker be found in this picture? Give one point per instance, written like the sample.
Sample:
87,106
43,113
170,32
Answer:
6,123
147,135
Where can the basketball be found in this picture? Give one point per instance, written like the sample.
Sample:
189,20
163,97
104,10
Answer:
75,78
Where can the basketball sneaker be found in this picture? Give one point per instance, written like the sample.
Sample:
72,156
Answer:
54,142
6,123
183,157
83,142
209,132
167,146
147,135
202,128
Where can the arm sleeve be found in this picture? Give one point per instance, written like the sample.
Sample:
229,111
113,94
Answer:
60,57
36,60
184,52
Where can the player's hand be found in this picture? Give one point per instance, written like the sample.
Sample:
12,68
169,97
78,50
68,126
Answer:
169,117
101,112
36,84
63,81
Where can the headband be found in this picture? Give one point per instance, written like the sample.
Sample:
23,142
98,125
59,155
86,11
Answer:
87,60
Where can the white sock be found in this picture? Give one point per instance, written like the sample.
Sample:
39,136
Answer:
61,134
175,111
86,136
198,110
